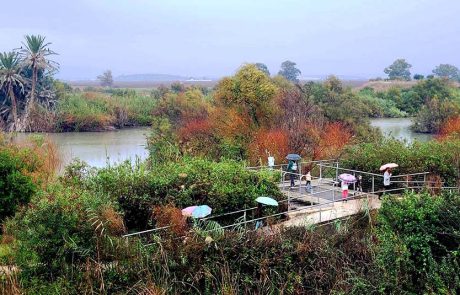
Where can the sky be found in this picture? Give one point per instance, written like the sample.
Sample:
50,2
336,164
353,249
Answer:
213,38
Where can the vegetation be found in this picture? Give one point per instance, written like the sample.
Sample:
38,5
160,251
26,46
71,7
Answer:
440,158
289,71
106,79
26,84
409,246
447,71
91,111
399,70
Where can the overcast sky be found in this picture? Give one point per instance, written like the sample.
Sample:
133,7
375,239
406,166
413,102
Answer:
214,37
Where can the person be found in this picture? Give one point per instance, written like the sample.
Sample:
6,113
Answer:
308,178
344,190
259,223
292,168
359,183
386,181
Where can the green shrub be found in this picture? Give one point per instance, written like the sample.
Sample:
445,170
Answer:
438,158
224,186
16,188
62,226
418,244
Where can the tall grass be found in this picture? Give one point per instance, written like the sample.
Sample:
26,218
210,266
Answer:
91,111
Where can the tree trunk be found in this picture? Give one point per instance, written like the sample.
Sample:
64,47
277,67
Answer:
34,83
25,124
13,107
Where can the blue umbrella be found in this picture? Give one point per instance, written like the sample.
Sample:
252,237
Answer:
267,201
293,157
201,211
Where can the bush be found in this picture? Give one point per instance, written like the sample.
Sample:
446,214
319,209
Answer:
438,158
92,111
16,188
418,244
63,226
224,186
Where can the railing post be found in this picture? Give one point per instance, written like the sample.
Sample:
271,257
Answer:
373,184
300,184
320,171
336,171
245,225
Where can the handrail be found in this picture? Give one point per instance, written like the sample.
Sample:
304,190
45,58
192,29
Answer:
374,174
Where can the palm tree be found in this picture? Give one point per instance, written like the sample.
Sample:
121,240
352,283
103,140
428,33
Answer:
9,78
35,53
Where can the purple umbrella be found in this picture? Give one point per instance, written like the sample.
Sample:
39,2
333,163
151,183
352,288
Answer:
188,211
347,178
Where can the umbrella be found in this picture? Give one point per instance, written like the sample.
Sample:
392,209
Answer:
188,211
293,157
201,211
388,165
267,201
347,178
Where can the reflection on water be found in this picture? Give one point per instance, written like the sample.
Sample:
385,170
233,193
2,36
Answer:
399,128
98,148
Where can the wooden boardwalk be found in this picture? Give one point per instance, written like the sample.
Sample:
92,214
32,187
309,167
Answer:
324,203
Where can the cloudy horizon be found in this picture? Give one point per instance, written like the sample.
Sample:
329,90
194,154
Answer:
213,38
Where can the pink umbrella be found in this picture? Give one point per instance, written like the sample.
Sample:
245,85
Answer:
188,211
389,165
347,178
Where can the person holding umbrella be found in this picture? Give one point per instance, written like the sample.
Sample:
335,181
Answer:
292,167
346,179
258,214
387,176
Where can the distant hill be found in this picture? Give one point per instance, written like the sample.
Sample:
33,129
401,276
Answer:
150,78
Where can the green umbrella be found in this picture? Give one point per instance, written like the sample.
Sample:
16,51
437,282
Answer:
267,201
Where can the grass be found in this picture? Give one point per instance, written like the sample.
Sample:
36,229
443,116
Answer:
91,111
5,251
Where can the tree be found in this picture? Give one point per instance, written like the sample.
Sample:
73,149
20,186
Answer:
250,91
9,79
399,70
418,77
447,71
106,79
263,68
35,54
289,71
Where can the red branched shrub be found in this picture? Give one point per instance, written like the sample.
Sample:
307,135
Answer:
450,129
170,216
197,137
329,141
269,143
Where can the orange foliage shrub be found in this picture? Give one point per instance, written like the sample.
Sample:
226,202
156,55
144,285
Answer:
269,142
170,216
230,124
40,155
450,129
328,141
197,137
113,221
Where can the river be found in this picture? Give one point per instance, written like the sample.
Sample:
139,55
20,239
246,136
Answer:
399,128
99,148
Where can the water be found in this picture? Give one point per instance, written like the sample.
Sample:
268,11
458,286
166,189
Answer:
99,148
399,128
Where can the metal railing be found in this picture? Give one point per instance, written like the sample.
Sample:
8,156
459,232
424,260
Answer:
325,178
